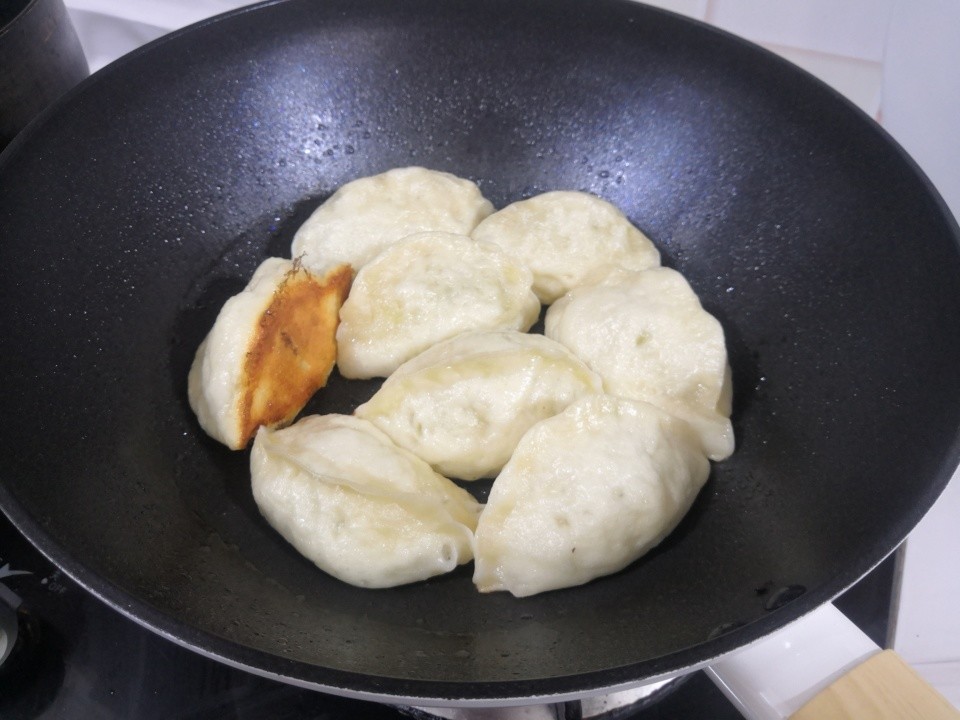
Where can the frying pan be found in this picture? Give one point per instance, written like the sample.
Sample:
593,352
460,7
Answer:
142,200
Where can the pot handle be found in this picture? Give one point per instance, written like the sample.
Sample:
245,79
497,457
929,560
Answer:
822,666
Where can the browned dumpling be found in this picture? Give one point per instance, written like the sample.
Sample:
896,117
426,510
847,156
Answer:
271,348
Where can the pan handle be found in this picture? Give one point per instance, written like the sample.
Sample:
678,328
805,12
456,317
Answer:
824,667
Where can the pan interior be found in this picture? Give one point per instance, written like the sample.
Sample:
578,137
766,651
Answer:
146,199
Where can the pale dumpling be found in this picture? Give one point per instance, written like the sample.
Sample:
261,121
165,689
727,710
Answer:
366,215
359,507
272,347
463,405
424,289
564,236
585,494
647,335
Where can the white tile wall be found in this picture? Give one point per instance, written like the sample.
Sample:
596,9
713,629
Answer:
105,37
921,89
851,28
921,109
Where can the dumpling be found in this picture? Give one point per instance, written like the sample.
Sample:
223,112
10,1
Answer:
426,288
366,215
564,236
359,507
586,493
271,348
463,405
646,334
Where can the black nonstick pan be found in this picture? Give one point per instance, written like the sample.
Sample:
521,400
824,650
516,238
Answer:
132,209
